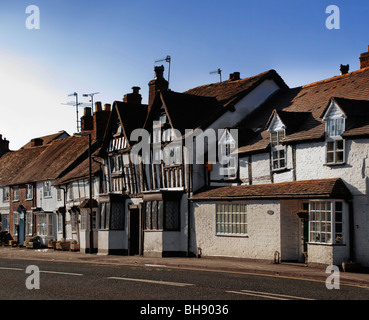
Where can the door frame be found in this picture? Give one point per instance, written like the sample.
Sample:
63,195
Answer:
135,209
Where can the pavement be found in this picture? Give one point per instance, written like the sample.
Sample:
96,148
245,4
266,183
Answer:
218,264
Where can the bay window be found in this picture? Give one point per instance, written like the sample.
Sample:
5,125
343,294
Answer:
162,215
326,222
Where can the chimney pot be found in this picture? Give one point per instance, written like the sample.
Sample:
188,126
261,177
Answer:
87,112
234,76
107,107
36,142
158,83
344,69
98,106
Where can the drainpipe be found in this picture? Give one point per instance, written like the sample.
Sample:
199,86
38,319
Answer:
189,189
351,230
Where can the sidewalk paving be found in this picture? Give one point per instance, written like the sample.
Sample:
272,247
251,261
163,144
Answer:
205,263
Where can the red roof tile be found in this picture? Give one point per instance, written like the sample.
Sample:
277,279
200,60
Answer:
322,188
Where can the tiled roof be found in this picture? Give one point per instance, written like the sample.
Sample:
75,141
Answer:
231,91
321,188
13,162
82,170
185,111
47,139
53,161
311,99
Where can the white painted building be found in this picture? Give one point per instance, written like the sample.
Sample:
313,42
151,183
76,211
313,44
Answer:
302,179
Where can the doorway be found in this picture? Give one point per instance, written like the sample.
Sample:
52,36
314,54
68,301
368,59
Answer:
134,231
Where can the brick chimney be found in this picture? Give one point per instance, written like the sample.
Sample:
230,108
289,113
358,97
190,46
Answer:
234,76
134,97
36,142
87,120
4,145
344,68
364,59
100,120
158,83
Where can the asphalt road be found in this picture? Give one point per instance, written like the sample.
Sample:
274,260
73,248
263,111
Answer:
149,285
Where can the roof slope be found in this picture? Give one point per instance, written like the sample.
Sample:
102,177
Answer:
48,138
11,163
321,188
312,99
231,91
53,161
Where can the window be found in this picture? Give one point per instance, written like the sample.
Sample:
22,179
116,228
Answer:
335,127
74,220
29,223
172,154
278,150
47,189
15,193
335,151
59,194
44,224
6,194
104,215
5,222
29,192
15,222
231,219
162,215
326,222
227,144
60,222
335,145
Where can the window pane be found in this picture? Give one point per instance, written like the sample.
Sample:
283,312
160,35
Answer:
148,215
338,206
330,146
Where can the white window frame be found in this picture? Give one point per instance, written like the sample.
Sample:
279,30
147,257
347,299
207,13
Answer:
5,221
29,192
44,222
327,223
6,194
279,162
47,189
227,144
15,222
29,223
335,151
231,219
15,194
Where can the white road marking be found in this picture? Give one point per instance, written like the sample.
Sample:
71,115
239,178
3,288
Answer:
155,265
8,268
178,284
268,295
64,273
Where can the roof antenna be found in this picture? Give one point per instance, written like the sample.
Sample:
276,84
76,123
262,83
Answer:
218,72
167,59
91,95
76,104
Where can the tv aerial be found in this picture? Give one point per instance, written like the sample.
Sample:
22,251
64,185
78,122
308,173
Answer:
91,95
75,104
167,59
218,72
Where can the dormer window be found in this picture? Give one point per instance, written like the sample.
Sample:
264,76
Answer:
334,127
278,150
277,130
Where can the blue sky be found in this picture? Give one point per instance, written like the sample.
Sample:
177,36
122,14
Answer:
109,46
